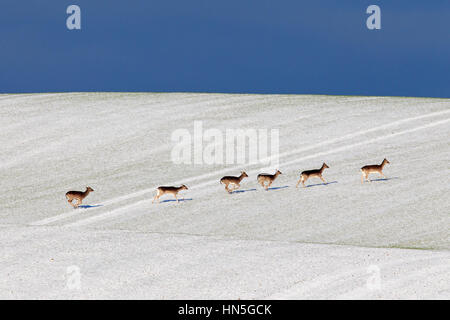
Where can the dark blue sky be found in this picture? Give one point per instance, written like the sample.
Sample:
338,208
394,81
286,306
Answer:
276,46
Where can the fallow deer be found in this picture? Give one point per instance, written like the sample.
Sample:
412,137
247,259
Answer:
366,170
173,190
235,181
264,177
77,195
305,175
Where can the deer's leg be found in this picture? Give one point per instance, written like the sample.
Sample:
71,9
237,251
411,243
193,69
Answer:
382,174
321,178
158,194
298,182
70,201
176,197
303,181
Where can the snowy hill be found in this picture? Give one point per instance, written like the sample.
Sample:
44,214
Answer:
323,241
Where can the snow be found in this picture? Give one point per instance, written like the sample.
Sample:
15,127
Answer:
323,241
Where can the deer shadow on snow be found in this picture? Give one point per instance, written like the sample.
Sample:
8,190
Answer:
244,190
87,206
320,184
384,179
277,188
174,200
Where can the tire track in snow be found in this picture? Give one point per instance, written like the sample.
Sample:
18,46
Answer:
315,286
118,211
398,283
232,102
289,163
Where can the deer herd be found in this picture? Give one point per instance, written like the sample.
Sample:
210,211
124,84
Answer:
232,183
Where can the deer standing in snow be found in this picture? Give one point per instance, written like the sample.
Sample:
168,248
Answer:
173,190
235,181
269,178
77,195
305,175
366,170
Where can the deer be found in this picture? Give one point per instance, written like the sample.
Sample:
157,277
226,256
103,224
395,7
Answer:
77,195
264,177
366,170
235,181
305,175
173,190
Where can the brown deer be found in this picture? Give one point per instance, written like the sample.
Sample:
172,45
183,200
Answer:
366,170
173,190
235,181
305,175
77,195
264,177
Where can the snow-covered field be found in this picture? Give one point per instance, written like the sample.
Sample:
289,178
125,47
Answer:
385,239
